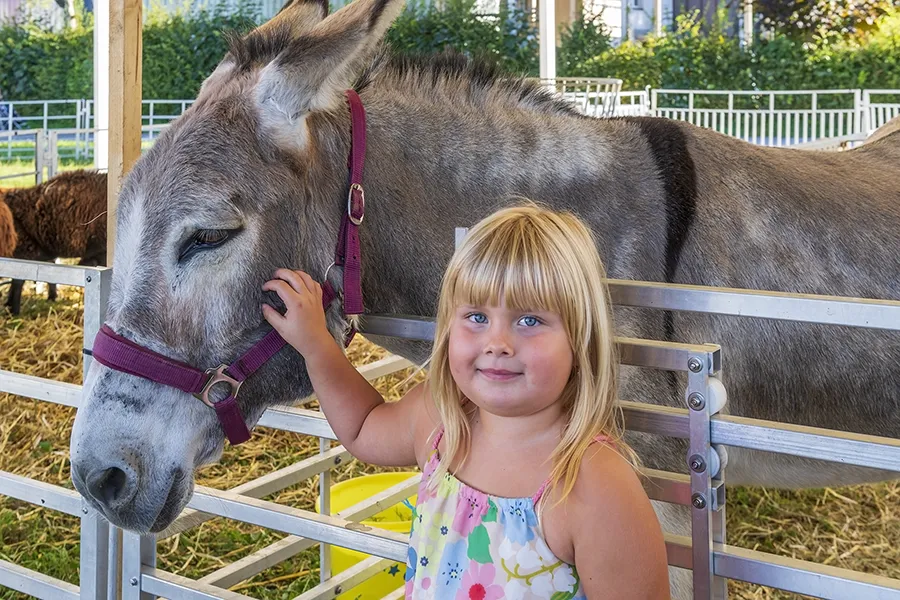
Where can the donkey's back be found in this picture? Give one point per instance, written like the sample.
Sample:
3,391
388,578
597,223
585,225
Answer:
803,222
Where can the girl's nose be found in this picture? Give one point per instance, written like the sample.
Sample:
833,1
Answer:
498,343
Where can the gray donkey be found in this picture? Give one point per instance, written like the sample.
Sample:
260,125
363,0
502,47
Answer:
254,177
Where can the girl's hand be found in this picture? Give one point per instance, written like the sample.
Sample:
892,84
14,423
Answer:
303,325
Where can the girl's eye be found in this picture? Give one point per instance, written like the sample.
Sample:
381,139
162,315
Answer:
529,321
479,318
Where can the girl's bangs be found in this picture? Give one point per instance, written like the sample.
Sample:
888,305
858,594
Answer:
505,270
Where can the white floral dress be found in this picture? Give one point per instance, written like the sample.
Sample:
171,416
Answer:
466,544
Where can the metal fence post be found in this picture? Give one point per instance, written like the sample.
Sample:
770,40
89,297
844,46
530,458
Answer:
325,509
40,154
704,396
137,551
96,295
94,566
53,154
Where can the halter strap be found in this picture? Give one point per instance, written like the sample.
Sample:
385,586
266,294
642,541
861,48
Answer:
116,352
121,354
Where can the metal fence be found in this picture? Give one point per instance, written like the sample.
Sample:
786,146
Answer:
592,96
700,422
775,118
771,118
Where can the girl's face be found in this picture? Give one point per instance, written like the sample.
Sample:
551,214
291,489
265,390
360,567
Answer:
509,362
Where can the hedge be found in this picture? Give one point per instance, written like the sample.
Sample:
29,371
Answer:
180,50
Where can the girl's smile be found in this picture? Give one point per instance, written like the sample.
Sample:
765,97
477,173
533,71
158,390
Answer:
509,361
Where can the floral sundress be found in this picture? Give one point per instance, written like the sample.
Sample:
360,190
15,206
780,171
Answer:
467,544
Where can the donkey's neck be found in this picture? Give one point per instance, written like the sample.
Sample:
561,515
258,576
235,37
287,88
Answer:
432,166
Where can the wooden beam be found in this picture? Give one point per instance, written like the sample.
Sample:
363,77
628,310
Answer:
125,21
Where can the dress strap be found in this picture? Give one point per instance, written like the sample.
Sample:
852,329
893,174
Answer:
437,437
602,439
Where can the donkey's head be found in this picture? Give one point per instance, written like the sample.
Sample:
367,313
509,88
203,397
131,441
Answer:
250,178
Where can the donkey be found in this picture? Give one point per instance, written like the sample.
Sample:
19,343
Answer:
254,176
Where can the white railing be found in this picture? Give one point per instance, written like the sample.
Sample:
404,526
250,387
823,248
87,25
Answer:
700,422
592,96
773,118
879,107
633,104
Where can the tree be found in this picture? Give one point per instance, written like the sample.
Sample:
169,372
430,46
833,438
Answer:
819,21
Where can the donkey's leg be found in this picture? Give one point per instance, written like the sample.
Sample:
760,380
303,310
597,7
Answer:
51,292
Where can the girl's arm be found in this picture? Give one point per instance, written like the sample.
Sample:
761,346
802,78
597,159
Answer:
372,430
618,544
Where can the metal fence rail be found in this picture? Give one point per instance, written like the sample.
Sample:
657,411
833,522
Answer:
705,553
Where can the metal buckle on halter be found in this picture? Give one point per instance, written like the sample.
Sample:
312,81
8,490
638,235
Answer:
217,375
362,204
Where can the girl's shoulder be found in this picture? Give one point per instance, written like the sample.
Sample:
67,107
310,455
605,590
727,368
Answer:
605,476
607,493
426,421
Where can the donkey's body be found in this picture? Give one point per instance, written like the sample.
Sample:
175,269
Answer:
263,154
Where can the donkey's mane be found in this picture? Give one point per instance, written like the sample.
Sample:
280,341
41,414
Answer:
454,76
446,75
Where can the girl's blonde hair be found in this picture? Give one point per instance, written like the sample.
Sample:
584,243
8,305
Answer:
532,258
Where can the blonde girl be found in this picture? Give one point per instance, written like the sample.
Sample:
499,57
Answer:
528,489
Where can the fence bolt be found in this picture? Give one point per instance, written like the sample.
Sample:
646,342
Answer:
84,510
695,365
698,465
338,460
88,278
338,590
698,501
696,401
133,581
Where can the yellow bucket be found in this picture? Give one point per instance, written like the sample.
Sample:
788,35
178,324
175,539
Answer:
396,518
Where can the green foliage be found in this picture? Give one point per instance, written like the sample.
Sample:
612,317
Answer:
688,58
509,37
581,40
181,50
822,21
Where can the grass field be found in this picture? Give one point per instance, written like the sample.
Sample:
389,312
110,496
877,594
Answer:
857,527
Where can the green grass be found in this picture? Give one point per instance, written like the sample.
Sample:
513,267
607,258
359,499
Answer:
25,171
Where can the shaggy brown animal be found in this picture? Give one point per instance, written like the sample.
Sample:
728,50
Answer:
64,217
7,231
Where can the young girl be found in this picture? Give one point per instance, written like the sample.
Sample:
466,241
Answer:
525,491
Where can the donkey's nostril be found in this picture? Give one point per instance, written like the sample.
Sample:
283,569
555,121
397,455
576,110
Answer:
109,486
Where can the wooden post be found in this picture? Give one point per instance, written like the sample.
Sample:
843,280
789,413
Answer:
100,122
125,21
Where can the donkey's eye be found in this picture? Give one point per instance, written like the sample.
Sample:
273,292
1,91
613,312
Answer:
205,239
211,237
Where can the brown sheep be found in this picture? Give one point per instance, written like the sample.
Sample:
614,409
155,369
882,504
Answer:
64,217
7,231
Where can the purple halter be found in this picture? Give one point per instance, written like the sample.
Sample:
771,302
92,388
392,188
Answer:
116,352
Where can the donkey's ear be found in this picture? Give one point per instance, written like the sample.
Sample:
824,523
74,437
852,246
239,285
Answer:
263,44
296,17
315,69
